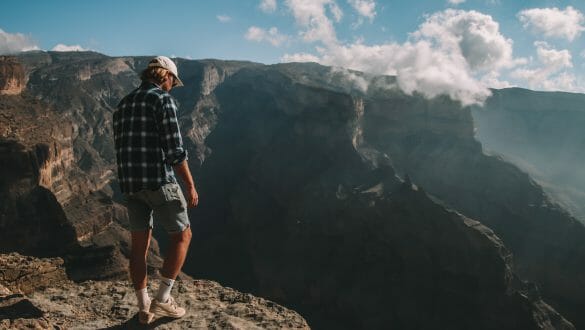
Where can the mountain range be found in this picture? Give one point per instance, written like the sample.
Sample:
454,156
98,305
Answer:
328,191
540,132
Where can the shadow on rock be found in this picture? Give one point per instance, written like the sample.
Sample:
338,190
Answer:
134,324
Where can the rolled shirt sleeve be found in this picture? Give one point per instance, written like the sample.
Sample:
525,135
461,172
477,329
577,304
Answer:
169,132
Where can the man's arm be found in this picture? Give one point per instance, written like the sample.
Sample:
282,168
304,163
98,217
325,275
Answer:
172,145
182,169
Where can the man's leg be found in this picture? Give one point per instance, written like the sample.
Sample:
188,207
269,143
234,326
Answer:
140,225
140,244
173,263
173,216
176,254
164,304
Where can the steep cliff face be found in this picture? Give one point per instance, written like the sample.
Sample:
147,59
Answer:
311,216
547,243
29,155
542,133
84,89
50,207
199,107
12,77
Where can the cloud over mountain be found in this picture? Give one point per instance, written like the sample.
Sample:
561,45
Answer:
68,48
11,43
452,53
550,73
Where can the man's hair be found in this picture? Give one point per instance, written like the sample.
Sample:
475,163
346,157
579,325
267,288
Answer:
155,75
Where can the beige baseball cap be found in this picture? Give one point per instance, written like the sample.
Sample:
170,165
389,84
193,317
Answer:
166,63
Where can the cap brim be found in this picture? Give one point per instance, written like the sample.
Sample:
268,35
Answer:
177,82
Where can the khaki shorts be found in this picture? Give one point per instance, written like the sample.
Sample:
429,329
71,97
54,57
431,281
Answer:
167,204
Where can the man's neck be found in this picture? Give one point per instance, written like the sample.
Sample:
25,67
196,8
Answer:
150,82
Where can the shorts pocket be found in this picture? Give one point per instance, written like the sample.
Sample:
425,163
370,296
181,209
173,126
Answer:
172,193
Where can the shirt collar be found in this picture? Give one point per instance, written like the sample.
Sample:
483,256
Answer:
148,85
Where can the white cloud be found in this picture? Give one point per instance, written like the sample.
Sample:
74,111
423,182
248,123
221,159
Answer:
493,80
15,42
66,48
268,6
271,35
454,52
551,72
553,22
419,67
456,2
311,16
471,34
551,57
366,8
300,57
336,11
223,18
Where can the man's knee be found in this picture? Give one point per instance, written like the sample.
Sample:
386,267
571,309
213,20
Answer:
188,234
183,237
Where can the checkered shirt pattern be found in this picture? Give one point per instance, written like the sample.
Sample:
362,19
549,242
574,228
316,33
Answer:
147,139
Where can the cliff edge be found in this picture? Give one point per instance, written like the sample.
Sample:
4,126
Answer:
36,293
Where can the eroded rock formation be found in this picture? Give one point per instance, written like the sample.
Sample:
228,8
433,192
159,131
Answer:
12,77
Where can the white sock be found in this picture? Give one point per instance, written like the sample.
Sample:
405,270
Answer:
164,289
143,299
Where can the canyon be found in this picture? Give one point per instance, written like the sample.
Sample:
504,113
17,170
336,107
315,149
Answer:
357,208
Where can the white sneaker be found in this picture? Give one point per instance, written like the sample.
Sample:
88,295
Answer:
170,308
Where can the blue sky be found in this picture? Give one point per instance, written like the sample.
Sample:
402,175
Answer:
436,46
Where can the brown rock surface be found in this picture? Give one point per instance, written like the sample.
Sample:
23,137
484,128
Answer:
20,275
18,312
62,304
112,305
27,274
12,76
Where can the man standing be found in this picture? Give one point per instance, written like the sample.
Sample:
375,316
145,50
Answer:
148,148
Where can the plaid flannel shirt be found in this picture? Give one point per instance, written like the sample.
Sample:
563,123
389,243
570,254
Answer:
147,139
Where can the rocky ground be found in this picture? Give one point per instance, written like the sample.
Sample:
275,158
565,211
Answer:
29,301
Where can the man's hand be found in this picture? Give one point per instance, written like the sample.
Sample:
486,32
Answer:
192,197
182,169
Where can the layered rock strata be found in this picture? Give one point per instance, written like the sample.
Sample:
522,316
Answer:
12,76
